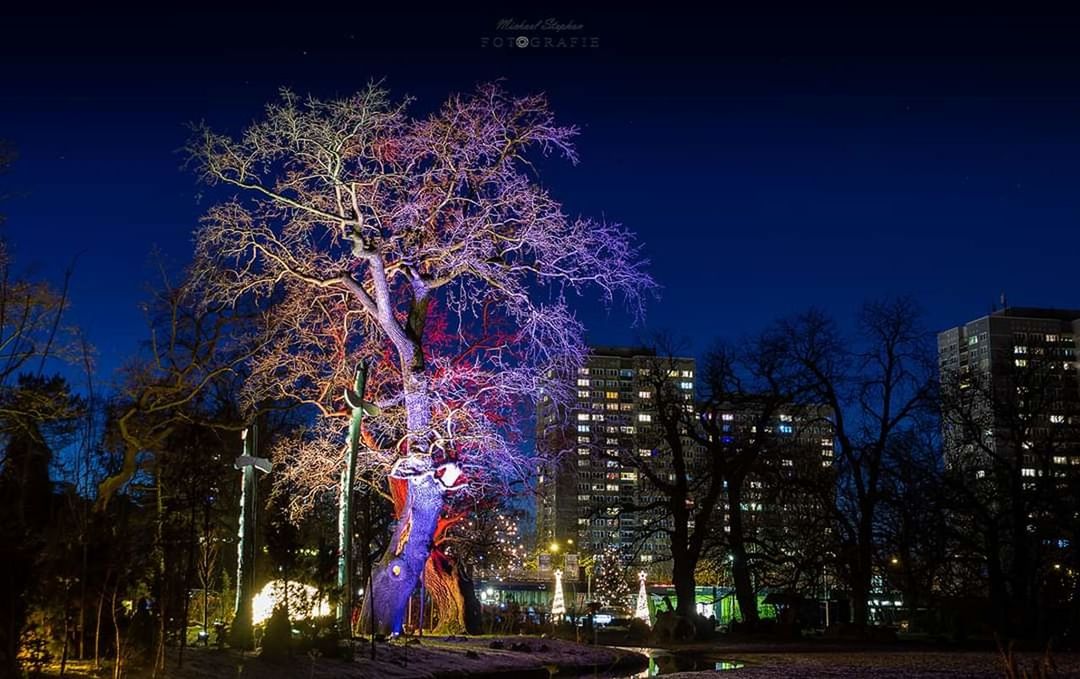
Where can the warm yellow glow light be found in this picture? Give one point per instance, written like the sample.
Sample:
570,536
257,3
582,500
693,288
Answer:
554,546
303,602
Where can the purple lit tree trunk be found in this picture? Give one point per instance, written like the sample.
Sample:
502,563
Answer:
397,575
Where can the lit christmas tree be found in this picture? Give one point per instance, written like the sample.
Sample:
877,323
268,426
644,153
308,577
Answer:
642,610
558,605
612,589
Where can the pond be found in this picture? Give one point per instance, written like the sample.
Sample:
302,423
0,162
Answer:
662,661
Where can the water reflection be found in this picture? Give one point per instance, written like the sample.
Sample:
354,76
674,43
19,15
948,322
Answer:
663,662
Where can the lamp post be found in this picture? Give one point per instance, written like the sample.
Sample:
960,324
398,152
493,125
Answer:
245,558
354,398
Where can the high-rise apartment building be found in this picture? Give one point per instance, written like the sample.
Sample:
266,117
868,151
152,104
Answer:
612,417
1022,363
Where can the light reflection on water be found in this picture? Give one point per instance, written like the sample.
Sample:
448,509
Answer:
663,662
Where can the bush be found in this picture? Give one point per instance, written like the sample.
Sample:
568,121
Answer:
277,639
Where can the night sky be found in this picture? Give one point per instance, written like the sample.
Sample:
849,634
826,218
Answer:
767,164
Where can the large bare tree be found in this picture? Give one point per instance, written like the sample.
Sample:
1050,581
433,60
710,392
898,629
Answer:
876,383
355,220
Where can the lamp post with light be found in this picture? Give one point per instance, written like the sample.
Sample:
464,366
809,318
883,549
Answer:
245,557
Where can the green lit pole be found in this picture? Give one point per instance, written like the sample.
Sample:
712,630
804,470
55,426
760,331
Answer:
245,551
354,398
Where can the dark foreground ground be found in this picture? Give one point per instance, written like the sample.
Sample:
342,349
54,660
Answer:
758,660
536,658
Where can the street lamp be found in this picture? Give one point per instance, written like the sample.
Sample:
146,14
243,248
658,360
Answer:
245,571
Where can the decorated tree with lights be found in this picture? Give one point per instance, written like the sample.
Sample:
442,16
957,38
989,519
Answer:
558,600
641,608
358,223
612,589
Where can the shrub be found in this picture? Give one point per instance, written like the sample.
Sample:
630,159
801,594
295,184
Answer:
277,640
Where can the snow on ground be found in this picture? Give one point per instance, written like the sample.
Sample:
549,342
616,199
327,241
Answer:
439,658
434,657
882,664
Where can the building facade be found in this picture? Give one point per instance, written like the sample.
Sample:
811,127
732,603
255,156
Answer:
611,418
1014,363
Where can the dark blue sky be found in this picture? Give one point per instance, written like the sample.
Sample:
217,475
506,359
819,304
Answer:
767,163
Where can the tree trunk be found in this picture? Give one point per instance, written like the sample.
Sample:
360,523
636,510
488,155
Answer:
740,565
450,589
188,573
863,572
67,632
97,626
448,604
118,665
685,587
418,499
82,595
682,571
163,593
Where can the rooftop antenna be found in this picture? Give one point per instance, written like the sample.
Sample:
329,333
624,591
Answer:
1004,301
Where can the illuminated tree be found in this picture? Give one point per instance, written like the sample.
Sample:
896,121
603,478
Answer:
641,608
612,590
354,221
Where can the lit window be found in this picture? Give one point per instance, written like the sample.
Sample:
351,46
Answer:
1021,362
644,394
786,429
785,418
686,385
1051,338
1019,349
1057,419
1027,471
583,416
583,383
644,417
1060,459
583,428
583,393
727,417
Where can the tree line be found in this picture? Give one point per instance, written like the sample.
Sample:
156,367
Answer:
827,459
